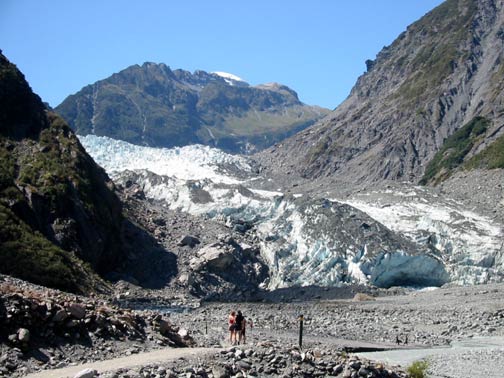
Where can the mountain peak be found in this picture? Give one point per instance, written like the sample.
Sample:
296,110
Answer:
154,106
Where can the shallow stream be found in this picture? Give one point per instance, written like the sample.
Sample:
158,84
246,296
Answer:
405,357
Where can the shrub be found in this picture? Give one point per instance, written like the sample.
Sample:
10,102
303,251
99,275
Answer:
418,369
490,158
454,150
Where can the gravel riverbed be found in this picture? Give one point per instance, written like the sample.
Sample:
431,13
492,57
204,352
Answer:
333,330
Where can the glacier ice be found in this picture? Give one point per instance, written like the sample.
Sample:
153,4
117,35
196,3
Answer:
383,238
468,243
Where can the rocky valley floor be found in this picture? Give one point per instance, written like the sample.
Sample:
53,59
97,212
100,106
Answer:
333,330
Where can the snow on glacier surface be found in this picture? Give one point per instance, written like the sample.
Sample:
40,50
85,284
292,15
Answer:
185,163
182,171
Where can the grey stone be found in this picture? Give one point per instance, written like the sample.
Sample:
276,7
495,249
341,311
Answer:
220,372
243,365
23,335
189,240
363,372
239,353
77,310
60,316
337,369
171,374
86,373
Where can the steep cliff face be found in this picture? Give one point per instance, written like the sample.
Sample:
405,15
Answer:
60,219
443,73
154,106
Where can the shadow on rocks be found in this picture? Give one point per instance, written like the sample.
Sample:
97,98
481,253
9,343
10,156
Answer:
148,263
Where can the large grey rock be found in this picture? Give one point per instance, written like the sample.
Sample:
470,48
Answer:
216,256
220,372
86,373
60,316
243,365
164,327
23,335
77,310
189,240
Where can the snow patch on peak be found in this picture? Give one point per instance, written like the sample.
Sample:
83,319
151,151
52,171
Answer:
228,77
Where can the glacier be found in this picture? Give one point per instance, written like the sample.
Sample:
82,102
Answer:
469,243
388,237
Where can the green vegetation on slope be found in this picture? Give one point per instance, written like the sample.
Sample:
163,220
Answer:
454,150
446,28
490,158
30,256
58,212
43,171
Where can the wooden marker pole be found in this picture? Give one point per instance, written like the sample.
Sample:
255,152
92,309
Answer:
301,319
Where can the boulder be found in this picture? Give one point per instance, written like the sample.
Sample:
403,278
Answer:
220,372
215,256
60,316
77,310
23,335
186,279
164,327
189,240
159,221
183,333
86,373
361,297
243,365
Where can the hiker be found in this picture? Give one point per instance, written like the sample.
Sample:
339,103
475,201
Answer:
239,321
398,340
406,340
248,323
242,335
232,327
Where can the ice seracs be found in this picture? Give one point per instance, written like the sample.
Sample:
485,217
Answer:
468,243
184,163
391,237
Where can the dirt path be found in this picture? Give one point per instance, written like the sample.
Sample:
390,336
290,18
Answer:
140,359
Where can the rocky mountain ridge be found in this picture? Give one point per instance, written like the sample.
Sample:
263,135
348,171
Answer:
443,73
152,105
60,219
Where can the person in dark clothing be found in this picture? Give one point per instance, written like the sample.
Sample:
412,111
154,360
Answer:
242,335
239,321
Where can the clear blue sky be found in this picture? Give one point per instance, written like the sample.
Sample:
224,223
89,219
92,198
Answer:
317,47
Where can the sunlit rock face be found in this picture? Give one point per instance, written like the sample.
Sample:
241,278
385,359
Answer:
393,237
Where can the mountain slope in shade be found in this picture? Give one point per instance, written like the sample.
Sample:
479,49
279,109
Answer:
443,73
155,106
60,220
